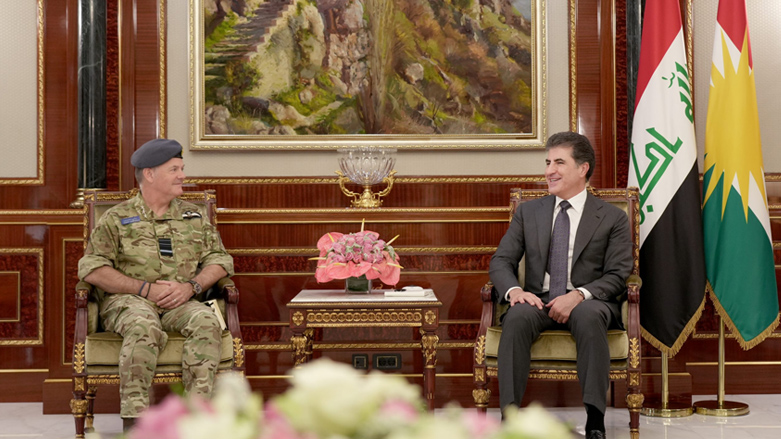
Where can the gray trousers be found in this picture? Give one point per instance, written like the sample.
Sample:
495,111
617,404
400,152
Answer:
522,325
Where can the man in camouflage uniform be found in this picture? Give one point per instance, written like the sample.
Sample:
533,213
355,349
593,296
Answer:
151,254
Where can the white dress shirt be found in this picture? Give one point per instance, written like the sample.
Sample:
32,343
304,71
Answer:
578,202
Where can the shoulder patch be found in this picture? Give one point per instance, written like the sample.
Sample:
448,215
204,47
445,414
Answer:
189,214
130,220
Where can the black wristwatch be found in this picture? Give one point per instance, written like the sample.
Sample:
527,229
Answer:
196,287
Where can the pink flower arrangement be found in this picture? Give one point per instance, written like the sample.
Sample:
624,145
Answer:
355,255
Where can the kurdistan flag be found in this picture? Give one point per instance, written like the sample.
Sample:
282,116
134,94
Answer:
664,166
736,224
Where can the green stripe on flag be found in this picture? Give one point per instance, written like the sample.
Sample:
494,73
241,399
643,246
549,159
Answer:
739,261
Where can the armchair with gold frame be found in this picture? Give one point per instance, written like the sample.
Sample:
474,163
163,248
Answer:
554,353
96,353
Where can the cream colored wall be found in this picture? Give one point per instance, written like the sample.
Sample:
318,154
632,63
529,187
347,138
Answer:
763,19
18,90
314,163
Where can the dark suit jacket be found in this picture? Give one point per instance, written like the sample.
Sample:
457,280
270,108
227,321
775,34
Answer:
601,259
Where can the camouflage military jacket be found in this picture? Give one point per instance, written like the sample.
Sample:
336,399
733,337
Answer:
128,238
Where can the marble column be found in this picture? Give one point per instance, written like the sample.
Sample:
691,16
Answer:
634,30
92,96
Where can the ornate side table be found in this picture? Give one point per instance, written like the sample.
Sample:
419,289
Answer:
335,309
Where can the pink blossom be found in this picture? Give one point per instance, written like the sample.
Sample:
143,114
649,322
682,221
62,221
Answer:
325,242
160,421
480,425
353,255
389,274
338,247
402,410
277,426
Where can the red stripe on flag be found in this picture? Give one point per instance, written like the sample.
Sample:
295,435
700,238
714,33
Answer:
661,24
733,19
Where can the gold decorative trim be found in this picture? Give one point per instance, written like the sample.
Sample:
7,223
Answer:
39,178
403,273
430,317
78,357
298,343
682,337
573,71
734,363
268,347
32,212
634,352
161,378
24,370
238,352
729,335
634,379
78,407
79,384
429,344
388,345
403,316
479,375
163,60
341,210
635,400
356,306
481,396
402,250
39,340
746,345
298,318
690,41
384,221
331,180
480,350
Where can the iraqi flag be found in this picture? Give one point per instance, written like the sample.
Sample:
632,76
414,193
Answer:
736,224
664,167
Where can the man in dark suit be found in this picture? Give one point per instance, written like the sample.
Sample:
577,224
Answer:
578,255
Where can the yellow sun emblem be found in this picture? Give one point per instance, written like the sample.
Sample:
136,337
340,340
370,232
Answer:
732,142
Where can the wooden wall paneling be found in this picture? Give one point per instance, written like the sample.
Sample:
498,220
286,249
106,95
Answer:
140,87
324,192
59,52
595,82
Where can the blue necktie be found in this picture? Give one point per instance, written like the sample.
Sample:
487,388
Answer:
559,250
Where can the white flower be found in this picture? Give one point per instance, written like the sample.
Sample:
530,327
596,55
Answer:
334,400
532,422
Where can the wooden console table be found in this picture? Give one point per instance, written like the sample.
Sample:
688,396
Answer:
336,309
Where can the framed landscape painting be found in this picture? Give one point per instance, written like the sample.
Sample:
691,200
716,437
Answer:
322,74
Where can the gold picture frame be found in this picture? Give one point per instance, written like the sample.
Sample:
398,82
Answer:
221,132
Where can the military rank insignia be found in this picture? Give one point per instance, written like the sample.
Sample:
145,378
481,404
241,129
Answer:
190,215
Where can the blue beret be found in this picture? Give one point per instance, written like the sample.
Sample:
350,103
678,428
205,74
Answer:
156,152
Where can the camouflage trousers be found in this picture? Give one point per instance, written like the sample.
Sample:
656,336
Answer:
142,324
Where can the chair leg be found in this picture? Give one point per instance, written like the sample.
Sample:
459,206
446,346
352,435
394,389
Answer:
634,402
481,394
79,409
91,392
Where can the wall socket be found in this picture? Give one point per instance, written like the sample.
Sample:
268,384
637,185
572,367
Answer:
387,361
360,361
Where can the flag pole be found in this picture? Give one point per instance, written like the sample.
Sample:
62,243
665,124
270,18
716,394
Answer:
720,407
665,408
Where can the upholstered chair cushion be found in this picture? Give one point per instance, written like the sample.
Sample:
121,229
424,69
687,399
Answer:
102,348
